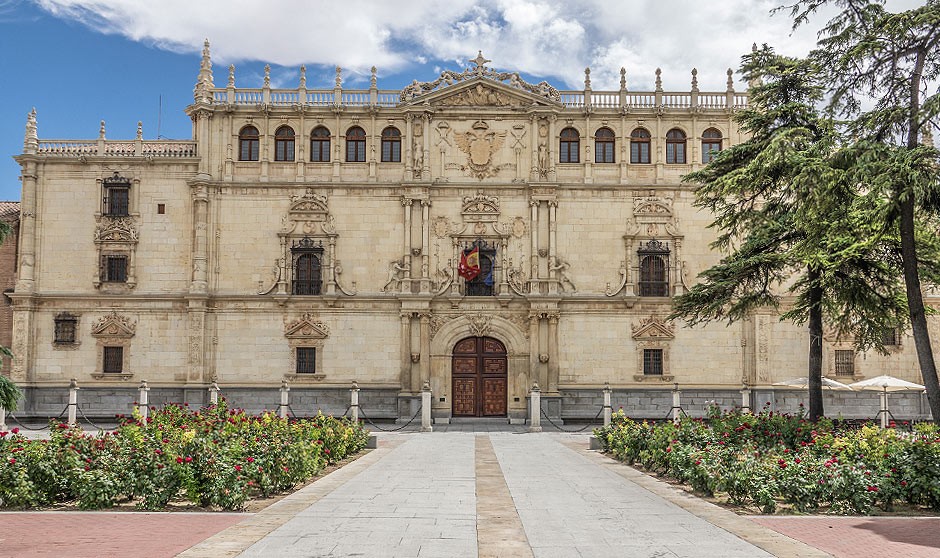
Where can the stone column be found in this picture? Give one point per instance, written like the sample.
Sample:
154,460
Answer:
533,148
27,234
552,256
534,234
425,244
553,368
199,284
425,347
405,377
406,275
426,135
408,139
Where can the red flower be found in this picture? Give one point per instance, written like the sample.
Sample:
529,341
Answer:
782,463
12,461
189,459
3,434
15,430
873,488
238,467
698,461
179,459
285,468
796,459
326,451
250,459
903,483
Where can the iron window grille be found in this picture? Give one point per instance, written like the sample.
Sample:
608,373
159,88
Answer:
652,362
116,200
307,255
114,269
845,363
306,360
65,329
654,268
890,337
113,360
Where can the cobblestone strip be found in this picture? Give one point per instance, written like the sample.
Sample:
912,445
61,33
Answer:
236,539
499,529
769,540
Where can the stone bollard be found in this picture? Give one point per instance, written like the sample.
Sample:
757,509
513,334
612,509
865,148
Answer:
285,402
535,408
214,394
606,403
884,408
143,400
73,401
745,399
676,404
3,419
426,407
354,401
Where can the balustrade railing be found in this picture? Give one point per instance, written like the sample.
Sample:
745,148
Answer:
613,100
107,148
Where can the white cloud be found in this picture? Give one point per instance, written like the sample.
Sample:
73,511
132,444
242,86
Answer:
554,39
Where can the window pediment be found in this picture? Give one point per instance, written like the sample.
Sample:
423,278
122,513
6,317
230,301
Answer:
653,329
305,328
480,208
114,325
122,230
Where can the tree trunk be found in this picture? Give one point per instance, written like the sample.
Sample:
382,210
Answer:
915,298
815,347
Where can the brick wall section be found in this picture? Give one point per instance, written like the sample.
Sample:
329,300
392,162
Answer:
9,213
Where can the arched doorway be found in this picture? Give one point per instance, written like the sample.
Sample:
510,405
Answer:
479,378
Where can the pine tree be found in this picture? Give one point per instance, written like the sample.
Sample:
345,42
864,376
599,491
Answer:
793,221
889,62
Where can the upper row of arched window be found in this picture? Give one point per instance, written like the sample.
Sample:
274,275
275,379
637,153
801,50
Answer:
569,145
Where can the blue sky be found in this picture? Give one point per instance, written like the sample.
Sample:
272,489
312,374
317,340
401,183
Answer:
82,61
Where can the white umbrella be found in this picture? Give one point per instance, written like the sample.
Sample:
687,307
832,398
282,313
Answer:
804,383
884,384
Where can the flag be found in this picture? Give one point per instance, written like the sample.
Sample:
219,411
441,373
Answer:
488,280
469,266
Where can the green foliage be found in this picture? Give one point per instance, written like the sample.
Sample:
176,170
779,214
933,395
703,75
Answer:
215,457
9,392
767,460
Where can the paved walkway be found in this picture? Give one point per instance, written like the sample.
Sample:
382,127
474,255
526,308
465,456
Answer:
473,494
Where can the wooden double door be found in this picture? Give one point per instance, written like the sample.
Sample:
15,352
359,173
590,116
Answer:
479,378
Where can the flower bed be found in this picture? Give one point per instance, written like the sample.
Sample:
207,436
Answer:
214,457
766,460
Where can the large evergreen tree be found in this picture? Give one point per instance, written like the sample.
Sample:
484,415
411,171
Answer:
793,222
883,69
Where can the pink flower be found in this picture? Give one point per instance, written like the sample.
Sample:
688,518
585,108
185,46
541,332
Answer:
12,461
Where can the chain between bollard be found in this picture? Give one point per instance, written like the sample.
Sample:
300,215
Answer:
366,417
89,421
17,421
582,429
681,411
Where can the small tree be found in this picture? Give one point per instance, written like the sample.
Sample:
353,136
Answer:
792,221
888,61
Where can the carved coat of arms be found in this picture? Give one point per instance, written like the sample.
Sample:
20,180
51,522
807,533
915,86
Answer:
480,143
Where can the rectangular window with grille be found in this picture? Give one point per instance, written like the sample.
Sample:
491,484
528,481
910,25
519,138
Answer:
117,201
890,337
113,360
306,360
114,269
652,362
65,327
845,363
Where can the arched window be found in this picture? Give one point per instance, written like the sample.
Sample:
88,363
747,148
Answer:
391,145
711,144
320,145
284,144
675,147
640,147
356,145
570,146
604,146
248,144
654,269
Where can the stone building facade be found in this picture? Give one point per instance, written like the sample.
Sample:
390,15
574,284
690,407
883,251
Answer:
330,236
9,214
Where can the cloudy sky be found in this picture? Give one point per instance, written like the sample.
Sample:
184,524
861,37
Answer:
123,61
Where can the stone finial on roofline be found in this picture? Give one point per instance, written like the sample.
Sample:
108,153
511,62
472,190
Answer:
31,138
